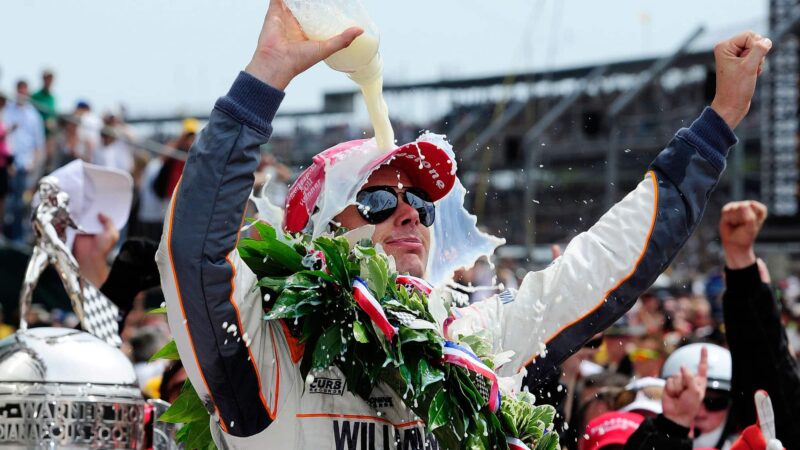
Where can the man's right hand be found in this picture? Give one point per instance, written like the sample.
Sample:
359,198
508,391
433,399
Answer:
739,62
284,51
739,225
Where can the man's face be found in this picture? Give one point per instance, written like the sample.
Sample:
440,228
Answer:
22,91
402,235
47,80
707,421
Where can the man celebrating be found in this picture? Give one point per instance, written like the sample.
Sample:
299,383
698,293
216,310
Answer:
253,385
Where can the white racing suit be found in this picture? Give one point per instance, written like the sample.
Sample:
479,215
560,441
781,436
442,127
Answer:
246,369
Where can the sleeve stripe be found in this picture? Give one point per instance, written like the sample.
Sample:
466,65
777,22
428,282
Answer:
180,302
277,376
600,303
272,412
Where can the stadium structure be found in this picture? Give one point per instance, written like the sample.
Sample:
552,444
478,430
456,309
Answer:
543,154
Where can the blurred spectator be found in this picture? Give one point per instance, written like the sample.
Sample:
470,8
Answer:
650,313
610,431
759,346
37,316
45,102
158,181
645,396
711,425
273,176
89,126
506,275
5,329
681,401
596,395
5,161
562,391
27,147
172,382
113,153
648,356
146,341
69,145
171,170
151,207
618,342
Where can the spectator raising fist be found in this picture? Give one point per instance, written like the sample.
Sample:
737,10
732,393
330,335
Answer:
738,227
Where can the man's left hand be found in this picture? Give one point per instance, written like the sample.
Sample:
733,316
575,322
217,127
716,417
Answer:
740,60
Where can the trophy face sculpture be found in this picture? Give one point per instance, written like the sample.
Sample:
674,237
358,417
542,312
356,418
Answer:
51,218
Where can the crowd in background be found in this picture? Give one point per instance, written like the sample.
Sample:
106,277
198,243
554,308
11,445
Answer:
613,383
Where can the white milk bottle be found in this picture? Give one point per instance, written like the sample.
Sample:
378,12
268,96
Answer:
322,19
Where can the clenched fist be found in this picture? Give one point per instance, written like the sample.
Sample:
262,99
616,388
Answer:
739,225
739,62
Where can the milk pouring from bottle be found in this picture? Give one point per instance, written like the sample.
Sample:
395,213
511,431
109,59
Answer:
322,19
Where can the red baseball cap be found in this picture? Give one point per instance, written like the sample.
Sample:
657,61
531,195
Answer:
613,428
429,166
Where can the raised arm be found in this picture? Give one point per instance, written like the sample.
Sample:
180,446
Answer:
759,347
604,270
213,310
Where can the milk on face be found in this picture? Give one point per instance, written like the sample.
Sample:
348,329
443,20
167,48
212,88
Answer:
360,61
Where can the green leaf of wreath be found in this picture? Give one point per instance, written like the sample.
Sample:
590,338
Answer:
169,351
360,332
438,411
186,408
328,347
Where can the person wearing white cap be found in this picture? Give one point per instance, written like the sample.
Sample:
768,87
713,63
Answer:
254,387
681,401
99,203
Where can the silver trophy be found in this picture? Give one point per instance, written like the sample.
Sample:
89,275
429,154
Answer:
66,389
51,218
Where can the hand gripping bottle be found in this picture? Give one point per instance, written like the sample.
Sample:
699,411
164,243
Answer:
323,19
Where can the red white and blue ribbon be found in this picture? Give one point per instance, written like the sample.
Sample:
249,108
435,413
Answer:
461,356
516,444
417,283
374,310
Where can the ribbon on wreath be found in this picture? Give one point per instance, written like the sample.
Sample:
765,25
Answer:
414,282
516,444
374,310
455,354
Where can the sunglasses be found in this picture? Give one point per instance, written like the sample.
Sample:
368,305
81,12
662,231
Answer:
377,203
644,354
716,403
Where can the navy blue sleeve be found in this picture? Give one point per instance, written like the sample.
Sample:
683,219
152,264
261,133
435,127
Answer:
202,231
